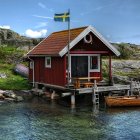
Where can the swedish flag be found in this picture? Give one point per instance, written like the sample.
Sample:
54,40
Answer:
64,17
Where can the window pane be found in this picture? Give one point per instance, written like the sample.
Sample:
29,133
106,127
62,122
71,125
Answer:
48,62
94,62
31,65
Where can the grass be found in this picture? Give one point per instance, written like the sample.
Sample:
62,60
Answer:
13,81
8,56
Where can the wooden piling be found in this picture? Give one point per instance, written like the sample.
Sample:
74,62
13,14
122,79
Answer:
131,87
128,93
53,95
72,99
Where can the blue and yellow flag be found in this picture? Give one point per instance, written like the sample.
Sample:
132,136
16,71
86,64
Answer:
64,17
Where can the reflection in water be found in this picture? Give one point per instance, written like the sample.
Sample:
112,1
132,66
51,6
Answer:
37,119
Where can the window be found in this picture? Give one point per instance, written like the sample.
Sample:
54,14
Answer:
95,63
31,64
48,62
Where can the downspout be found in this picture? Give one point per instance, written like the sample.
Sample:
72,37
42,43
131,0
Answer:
33,71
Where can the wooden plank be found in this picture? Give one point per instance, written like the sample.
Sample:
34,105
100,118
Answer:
106,88
78,80
113,88
86,78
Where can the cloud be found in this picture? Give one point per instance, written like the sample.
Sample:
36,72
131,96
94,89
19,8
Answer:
5,27
41,24
51,10
46,17
36,34
41,5
96,9
91,11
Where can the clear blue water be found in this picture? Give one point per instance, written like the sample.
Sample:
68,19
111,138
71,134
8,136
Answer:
37,119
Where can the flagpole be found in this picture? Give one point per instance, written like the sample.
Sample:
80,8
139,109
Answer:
68,49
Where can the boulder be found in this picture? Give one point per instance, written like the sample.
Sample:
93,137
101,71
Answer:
3,75
1,96
18,99
9,99
9,94
2,91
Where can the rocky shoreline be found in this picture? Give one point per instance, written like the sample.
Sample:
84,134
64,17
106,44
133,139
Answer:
12,96
125,70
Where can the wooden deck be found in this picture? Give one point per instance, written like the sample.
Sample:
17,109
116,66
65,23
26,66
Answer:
104,88
116,87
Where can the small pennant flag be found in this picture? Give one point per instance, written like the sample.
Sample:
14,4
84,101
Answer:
64,17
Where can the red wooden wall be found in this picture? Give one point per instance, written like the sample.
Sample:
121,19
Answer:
56,75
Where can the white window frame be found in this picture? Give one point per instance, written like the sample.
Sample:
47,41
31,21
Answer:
46,60
31,64
89,70
89,62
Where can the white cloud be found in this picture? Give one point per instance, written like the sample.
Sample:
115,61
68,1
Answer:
36,34
46,17
41,5
5,27
98,8
41,24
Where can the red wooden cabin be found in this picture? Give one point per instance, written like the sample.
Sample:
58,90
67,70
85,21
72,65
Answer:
48,60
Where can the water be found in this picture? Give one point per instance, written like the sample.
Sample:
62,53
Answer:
37,119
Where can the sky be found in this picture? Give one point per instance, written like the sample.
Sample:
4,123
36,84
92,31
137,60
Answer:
117,20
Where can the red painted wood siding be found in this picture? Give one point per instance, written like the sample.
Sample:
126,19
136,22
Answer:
96,46
95,74
30,75
56,75
39,69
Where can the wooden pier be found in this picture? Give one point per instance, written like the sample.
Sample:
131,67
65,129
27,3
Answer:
95,90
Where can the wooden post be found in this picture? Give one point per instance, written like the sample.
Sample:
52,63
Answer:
93,97
128,93
73,99
53,95
94,93
95,84
131,87
36,87
110,71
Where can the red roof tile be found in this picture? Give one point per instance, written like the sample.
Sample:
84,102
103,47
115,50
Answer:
54,43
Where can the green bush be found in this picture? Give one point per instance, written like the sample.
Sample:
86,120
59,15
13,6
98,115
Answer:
125,51
10,54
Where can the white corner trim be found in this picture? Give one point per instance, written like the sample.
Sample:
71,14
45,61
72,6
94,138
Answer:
84,33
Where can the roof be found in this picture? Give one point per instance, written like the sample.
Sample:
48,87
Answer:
56,43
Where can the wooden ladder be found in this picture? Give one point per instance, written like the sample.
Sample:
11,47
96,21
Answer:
95,95
96,98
